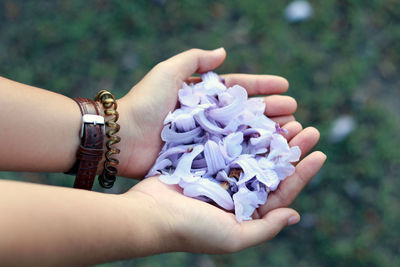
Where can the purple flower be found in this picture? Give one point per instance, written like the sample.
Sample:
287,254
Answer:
223,177
215,160
230,146
170,135
280,158
208,125
251,169
210,189
188,97
246,201
163,162
183,119
182,171
221,148
224,114
259,144
212,84
280,130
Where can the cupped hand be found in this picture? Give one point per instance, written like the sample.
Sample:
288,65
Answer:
143,109
192,225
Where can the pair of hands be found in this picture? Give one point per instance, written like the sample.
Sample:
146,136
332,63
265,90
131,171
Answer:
191,225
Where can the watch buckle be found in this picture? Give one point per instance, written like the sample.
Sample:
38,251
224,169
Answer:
92,119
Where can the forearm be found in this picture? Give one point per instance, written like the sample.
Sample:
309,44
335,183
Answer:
40,129
53,225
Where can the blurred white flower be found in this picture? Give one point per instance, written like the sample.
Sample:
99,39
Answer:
298,10
341,128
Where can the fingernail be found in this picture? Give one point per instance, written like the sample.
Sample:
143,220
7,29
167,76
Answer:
293,220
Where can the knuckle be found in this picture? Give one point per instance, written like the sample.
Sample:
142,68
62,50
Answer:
303,179
163,65
163,68
282,197
194,50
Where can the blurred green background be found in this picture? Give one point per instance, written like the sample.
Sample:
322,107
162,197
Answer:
341,61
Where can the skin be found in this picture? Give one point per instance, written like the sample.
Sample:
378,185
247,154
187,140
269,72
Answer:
89,227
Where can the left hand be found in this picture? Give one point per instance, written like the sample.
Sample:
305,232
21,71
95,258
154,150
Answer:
143,109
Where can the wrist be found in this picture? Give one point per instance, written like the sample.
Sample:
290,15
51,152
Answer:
126,135
100,167
107,101
150,230
140,136
131,145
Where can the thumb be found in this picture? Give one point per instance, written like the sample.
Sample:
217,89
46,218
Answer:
257,231
194,61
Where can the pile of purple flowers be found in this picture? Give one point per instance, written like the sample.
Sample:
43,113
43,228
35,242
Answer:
220,147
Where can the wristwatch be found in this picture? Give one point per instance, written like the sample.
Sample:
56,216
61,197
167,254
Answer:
91,149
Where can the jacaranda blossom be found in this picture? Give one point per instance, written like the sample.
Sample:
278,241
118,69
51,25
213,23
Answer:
221,148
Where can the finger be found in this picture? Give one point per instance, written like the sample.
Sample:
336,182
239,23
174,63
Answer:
276,105
255,215
279,105
257,231
289,188
193,79
258,84
282,120
254,84
305,140
192,61
293,128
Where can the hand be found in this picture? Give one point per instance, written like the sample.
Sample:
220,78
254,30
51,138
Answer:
195,226
144,108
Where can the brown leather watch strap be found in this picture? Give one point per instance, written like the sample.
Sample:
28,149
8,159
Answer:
87,106
91,149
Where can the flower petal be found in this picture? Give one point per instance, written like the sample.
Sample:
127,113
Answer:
182,171
256,106
260,144
162,162
222,176
246,202
226,113
213,156
159,165
212,84
187,97
251,169
231,146
294,154
185,123
207,125
210,189
169,135
262,122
